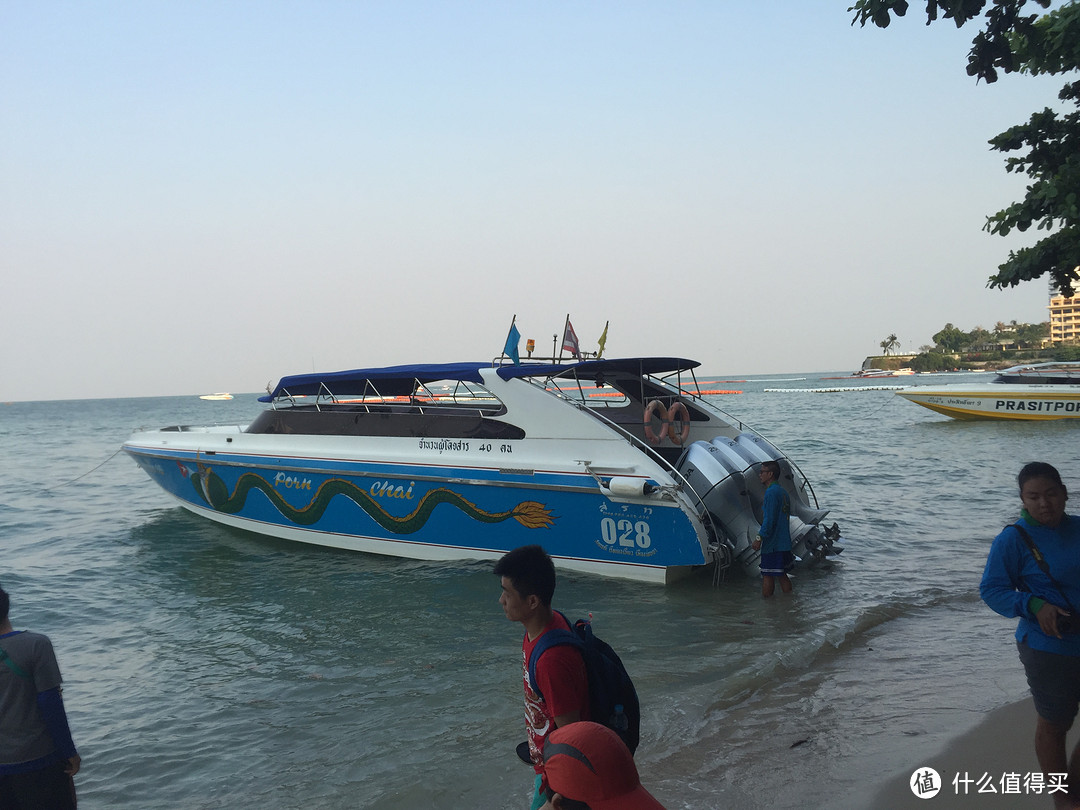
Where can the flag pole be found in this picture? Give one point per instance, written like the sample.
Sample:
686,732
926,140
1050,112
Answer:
562,341
502,354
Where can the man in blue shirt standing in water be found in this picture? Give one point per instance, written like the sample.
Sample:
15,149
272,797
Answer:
774,541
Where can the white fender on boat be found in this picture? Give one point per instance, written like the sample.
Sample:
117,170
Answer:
627,487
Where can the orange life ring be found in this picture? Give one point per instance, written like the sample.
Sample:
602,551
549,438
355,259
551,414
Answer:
673,413
657,407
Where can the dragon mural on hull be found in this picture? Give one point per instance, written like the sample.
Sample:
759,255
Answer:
211,489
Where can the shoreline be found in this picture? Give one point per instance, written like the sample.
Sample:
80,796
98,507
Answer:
1002,743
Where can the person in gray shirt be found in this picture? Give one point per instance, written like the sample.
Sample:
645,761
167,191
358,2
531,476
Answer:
38,759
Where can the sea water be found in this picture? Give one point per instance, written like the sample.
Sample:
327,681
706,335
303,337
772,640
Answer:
208,668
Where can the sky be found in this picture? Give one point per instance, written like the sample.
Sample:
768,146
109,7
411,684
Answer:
208,196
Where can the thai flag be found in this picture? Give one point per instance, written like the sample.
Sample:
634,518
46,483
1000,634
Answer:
570,341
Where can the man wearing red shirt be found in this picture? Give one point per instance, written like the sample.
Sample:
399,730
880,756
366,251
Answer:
527,576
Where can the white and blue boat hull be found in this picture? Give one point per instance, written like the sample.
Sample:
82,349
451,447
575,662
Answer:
601,462
432,512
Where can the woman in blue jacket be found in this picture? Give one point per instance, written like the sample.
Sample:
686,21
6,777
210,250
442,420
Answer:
1033,572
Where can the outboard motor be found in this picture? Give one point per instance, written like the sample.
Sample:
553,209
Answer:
721,486
724,474
756,450
808,542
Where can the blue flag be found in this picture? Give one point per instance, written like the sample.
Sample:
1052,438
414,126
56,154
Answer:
511,348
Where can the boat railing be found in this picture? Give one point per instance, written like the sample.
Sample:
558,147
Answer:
735,422
805,483
457,399
693,391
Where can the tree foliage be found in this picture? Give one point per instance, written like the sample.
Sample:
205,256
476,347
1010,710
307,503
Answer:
889,343
932,361
1014,40
950,339
1032,332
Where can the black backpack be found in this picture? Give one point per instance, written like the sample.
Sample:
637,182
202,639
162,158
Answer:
613,700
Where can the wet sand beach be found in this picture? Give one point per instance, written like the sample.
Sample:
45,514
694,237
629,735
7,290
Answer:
1003,743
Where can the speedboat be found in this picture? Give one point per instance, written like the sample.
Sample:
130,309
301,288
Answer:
618,467
884,372
218,396
874,374
1038,391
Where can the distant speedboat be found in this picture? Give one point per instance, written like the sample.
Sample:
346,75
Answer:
1041,391
874,374
619,467
221,395
884,372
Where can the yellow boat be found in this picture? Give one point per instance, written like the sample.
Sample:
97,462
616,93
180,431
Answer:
1042,391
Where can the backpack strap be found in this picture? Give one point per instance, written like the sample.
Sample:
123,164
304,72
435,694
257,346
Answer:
12,665
552,638
1041,562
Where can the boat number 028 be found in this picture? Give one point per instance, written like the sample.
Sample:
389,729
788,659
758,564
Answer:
626,533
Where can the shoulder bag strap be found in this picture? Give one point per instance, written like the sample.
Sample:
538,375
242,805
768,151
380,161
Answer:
12,665
1041,562
552,638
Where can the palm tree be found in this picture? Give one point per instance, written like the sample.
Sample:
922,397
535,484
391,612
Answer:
889,343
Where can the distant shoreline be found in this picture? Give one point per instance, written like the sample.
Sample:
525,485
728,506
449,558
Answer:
962,361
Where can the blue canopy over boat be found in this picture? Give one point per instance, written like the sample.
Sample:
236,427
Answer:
590,368
402,380
389,381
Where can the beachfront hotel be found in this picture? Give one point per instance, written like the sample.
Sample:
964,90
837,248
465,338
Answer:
1064,317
